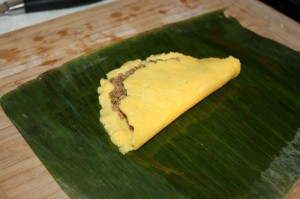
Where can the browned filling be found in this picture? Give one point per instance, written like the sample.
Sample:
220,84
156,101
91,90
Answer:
119,92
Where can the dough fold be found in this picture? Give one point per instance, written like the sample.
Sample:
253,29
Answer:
156,94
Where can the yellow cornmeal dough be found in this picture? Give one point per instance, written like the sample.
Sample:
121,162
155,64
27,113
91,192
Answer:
160,92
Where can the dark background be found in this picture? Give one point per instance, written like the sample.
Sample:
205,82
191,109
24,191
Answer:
291,8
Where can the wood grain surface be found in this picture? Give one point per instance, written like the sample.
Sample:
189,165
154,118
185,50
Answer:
26,53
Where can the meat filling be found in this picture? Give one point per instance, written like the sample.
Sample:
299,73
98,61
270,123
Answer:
119,92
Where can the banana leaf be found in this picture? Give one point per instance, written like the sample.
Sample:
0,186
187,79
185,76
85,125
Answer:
243,141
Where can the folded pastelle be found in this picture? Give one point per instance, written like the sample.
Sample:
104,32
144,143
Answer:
141,98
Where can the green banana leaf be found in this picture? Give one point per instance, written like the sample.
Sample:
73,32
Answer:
243,141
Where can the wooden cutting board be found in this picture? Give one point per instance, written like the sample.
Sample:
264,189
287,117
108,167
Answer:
26,53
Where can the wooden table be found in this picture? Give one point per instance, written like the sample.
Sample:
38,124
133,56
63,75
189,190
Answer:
26,53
